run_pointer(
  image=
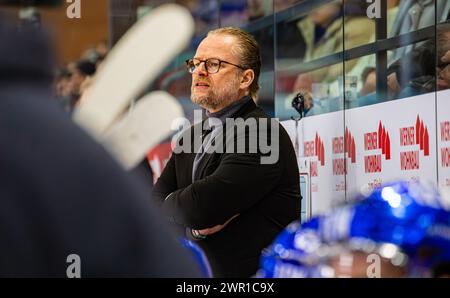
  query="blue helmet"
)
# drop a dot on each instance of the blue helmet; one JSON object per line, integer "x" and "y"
{"x": 198, "y": 255}
{"x": 291, "y": 253}
{"x": 406, "y": 223}
{"x": 411, "y": 216}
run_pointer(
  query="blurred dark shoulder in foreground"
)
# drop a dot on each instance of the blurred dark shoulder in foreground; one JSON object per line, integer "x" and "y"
{"x": 60, "y": 192}
{"x": 31, "y": 2}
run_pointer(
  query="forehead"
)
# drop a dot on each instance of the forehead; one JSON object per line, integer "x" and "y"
{"x": 217, "y": 46}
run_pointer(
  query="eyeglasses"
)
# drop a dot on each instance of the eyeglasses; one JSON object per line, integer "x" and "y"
{"x": 212, "y": 65}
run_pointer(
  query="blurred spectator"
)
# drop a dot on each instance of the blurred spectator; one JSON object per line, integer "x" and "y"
{"x": 280, "y": 5}
{"x": 96, "y": 54}
{"x": 443, "y": 70}
{"x": 289, "y": 41}
{"x": 443, "y": 56}
{"x": 62, "y": 80}
{"x": 205, "y": 14}
{"x": 82, "y": 70}
{"x": 62, "y": 89}
{"x": 416, "y": 14}
{"x": 261, "y": 8}
{"x": 322, "y": 30}
{"x": 233, "y": 13}
{"x": 84, "y": 90}
{"x": 418, "y": 65}
{"x": 255, "y": 9}
{"x": 416, "y": 71}
{"x": 102, "y": 49}
{"x": 367, "y": 80}
{"x": 323, "y": 35}
{"x": 408, "y": 61}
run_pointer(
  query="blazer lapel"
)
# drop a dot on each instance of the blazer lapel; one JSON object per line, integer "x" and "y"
{"x": 209, "y": 157}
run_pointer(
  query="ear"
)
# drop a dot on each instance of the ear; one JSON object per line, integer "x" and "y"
{"x": 247, "y": 78}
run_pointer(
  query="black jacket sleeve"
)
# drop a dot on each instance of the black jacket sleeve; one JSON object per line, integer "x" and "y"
{"x": 166, "y": 183}
{"x": 239, "y": 182}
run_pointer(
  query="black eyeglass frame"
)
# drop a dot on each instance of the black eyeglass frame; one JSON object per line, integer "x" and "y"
{"x": 191, "y": 67}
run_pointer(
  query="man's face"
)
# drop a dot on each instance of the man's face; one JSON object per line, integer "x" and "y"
{"x": 216, "y": 91}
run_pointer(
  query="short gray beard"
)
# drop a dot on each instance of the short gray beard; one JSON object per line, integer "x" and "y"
{"x": 218, "y": 98}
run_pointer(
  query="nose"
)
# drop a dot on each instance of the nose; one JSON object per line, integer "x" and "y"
{"x": 201, "y": 69}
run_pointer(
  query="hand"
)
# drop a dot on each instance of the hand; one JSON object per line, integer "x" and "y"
{"x": 443, "y": 74}
{"x": 309, "y": 103}
{"x": 446, "y": 57}
{"x": 215, "y": 229}
{"x": 370, "y": 85}
{"x": 443, "y": 78}
{"x": 393, "y": 84}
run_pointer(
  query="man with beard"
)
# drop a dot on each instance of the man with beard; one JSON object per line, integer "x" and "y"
{"x": 233, "y": 204}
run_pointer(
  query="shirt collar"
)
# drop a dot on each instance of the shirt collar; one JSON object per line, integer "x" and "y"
{"x": 229, "y": 110}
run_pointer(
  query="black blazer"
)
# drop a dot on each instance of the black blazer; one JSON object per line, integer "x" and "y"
{"x": 266, "y": 197}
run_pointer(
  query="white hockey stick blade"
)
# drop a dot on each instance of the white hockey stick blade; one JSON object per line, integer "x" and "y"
{"x": 148, "y": 123}
{"x": 139, "y": 56}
